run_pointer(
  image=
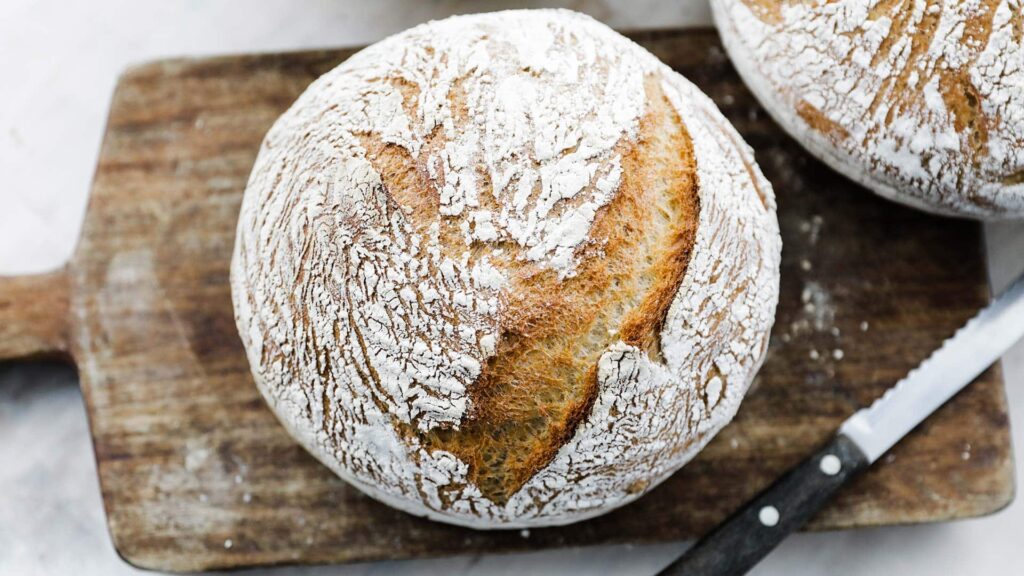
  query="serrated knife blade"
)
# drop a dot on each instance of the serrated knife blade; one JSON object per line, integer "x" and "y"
{"x": 739, "y": 543}
{"x": 960, "y": 359}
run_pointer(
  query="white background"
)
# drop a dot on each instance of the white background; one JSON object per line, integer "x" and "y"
{"x": 59, "y": 61}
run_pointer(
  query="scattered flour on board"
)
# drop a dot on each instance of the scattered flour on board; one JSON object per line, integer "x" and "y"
{"x": 819, "y": 311}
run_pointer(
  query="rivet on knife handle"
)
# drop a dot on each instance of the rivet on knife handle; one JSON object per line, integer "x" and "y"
{"x": 751, "y": 533}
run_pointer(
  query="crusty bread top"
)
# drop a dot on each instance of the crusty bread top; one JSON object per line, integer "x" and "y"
{"x": 922, "y": 101}
{"x": 505, "y": 269}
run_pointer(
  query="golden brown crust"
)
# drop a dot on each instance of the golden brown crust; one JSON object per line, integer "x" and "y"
{"x": 540, "y": 384}
{"x": 815, "y": 119}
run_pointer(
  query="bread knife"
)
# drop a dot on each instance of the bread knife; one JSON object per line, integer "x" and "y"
{"x": 741, "y": 541}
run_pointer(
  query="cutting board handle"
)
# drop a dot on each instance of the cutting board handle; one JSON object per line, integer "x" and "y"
{"x": 34, "y": 315}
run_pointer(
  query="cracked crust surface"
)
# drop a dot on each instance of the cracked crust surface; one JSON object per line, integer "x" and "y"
{"x": 505, "y": 270}
{"x": 920, "y": 100}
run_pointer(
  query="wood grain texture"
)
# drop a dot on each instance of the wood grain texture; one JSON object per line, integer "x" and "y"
{"x": 34, "y": 315}
{"x": 190, "y": 458}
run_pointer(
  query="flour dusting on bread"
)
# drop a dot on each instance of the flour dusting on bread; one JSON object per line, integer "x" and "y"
{"x": 920, "y": 100}
{"x": 505, "y": 270}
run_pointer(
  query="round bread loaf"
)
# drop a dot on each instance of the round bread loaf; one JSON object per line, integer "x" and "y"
{"x": 505, "y": 270}
{"x": 921, "y": 101}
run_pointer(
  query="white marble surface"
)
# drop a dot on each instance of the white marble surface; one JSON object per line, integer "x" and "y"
{"x": 59, "y": 61}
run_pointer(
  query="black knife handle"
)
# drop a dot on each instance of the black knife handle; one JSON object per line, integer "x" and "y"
{"x": 739, "y": 543}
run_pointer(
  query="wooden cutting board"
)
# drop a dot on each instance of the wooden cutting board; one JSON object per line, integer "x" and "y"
{"x": 197, "y": 474}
